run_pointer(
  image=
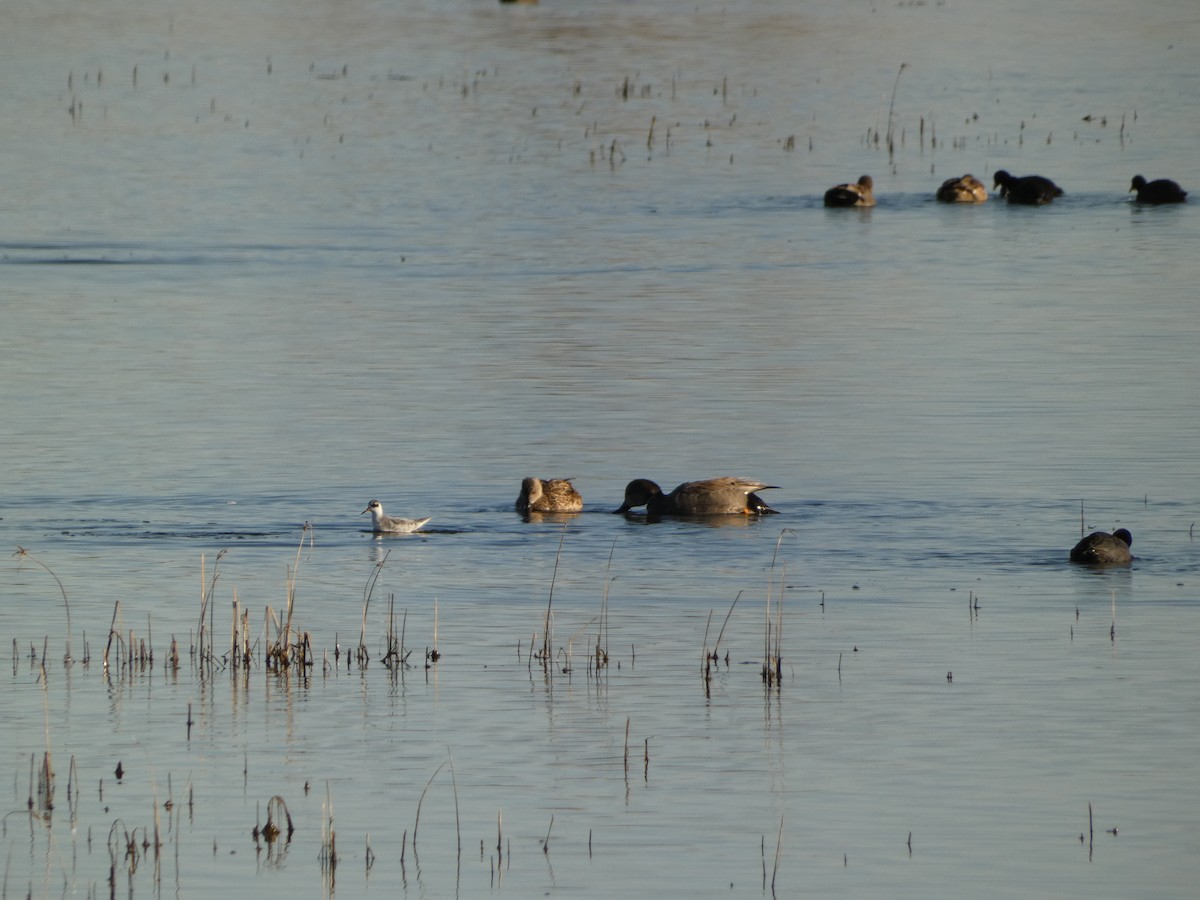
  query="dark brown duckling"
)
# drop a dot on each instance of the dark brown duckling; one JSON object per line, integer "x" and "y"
{"x": 861, "y": 193}
{"x": 1103, "y": 549}
{"x": 1028, "y": 190}
{"x": 1161, "y": 190}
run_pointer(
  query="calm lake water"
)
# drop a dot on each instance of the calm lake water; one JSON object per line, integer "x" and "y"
{"x": 264, "y": 261}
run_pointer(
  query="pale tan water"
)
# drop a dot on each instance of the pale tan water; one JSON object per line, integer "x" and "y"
{"x": 322, "y": 253}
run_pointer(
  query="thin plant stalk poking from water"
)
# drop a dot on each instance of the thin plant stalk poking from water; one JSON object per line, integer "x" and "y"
{"x": 206, "y": 599}
{"x": 282, "y": 652}
{"x": 892, "y": 110}
{"x": 457, "y": 820}
{"x": 305, "y": 532}
{"x": 328, "y": 854}
{"x": 600, "y": 657}
{"x": 546, "y": 638}
{"x": 772, "y": 670}
{"x": 368, "y": 590}
{"x": 778, "y": 850}
{"x": 712, "y": 656}
{"x": 45, "y": 777}
{"x": 113, "y": 633}
{"x": 22, "y": 553}
{"x": 421, "y": 799}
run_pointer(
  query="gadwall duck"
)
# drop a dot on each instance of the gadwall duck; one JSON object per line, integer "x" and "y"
{"x": 860, "y": 194}
{"x": 967, "y": 189}
{"x": 382, "y": 524}
{"x": 716, "y": 496}
{"x": 1103, "y": 549}
{"x": 1161, "y": 190}
{"x": 548, "y": 495}
{"x": 1029, "y": 190}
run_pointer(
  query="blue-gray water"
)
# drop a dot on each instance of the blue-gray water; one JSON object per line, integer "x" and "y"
{"x": 262, "y": 262}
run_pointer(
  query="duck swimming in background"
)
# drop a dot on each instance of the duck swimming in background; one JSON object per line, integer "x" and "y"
{"x": 1161, "y": 190}
{"x": 715, "y": 496}
{"x": 1028, "y": 190}
{"x": 549, "y": 495}
{"x": 967, "y": 189}
{"x": 382, "y": 524}
{"x": 1103, "y": 549}
{"x": 861, "y": 193}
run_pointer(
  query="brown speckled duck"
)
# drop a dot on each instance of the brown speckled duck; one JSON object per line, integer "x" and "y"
{"x": 553, "y": 495}
{"x": 1103, "y": 549}
{"x": 967, "y": 189}
{"x": 1161, "y": 190}
{"x": 861, "y": 193}
{"x": 713, "y": 497}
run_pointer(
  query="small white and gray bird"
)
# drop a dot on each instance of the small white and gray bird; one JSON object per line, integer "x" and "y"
{"x": 382, "y": 524}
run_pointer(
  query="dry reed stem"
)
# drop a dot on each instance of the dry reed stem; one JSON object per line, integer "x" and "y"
{"x": 546, "y": 639}
{"x": 46, "y": 772}
{"x": 762, "y": 852}
{"x": 707, "y": 626}
{"x": 435, "y": 655}
{"x": 728, "y": 615}
{"x": 627, "y": 747}
{"x": 112, "y": 632}
{"x": 891, "y": 111}
{"x": 454, "y": 785}
{"x": 206, "y": 597}
{"x": 778, "y": 850}
{"x": 368, "y": 590}
{"x": 305, "y": 531}
{"x": 22, "y": 553}
{"x": 328, "y": 854}
{"x": 772, "y": 669}
{"x": 601, "y": 654}
{"x": 417, "y": 822}
{"x": 271, "y": 830}
{"x": 1091, "y": 830}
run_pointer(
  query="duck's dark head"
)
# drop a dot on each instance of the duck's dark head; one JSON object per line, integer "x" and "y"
{"x": 639, "y": 492}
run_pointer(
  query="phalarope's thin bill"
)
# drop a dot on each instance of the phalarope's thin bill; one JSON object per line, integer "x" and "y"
{"x": 382, "y": 524}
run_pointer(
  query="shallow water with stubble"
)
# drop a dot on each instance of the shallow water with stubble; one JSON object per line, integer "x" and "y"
{"x": 263, "y": 262}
